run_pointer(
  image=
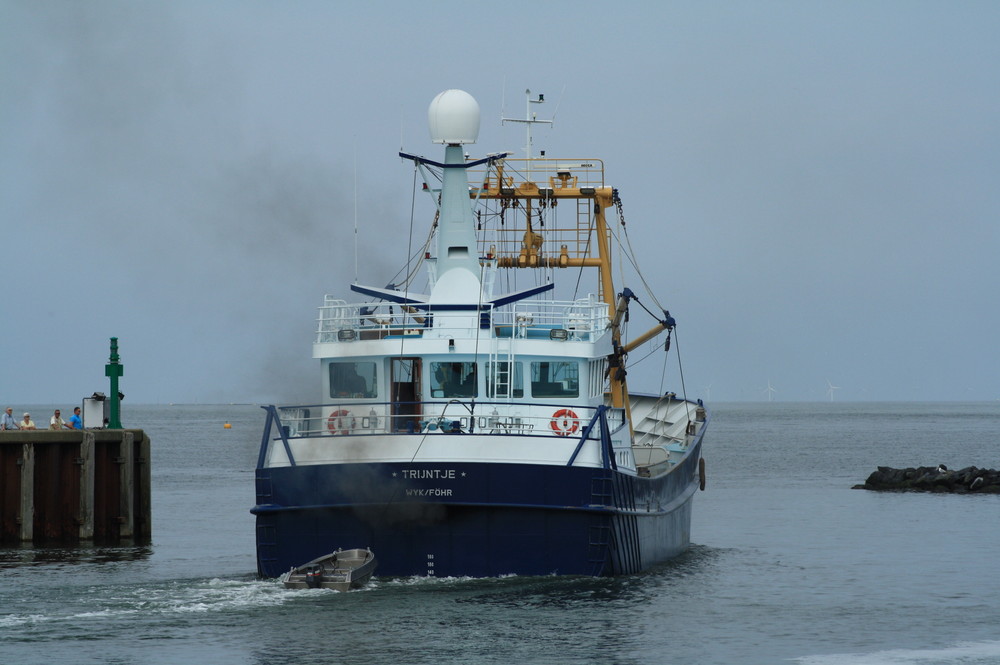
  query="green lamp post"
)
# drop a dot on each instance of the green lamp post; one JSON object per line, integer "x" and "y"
{"x": 113, "y": 370}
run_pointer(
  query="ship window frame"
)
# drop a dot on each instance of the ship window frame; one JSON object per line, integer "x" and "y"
{"x": 365, "y": 370}
{"x": 439, "y": 383}
{"x": 546, "y": 389}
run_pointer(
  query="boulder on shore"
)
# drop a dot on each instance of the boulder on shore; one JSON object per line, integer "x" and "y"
{"x": 970, "y": 480}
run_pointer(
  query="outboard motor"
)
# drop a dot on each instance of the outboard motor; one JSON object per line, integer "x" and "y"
{"x": 314, "y": 576}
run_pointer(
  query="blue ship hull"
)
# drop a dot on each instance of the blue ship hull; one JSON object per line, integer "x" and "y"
{"x": 475, "y": 519}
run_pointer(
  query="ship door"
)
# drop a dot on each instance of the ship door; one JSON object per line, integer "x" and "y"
{"x": 406, "y": 396}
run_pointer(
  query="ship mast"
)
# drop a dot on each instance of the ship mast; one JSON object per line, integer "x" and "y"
{"x": 529, "y": 119}
{"x": 603, "y": 199}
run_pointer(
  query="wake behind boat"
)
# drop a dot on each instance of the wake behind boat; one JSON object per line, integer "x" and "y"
{"x": 480, "y": 424}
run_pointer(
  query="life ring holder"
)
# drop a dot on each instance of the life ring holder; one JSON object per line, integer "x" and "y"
{"x": 341, "y": 422}
{"x": 565, "y": 422}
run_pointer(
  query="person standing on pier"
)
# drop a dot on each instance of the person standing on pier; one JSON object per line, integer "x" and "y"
{"x": 56, "y": 422}
{"x": 8, "y": 422}
{"x": 27, "y": 423}
{"x": 74, "y": 420}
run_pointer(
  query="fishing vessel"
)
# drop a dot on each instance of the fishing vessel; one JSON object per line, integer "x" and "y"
{"x": 475, "y": 418}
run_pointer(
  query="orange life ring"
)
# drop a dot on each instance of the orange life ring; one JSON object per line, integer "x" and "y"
{"x": 338, "y": 422}
{"x": 565, "y": 422}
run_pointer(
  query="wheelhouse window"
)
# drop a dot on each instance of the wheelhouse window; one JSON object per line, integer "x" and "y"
{"x": 555, "y": 379}
{"x": 454, "y": 379}
{"x": 354, "y": 380}
{"x": 502, "y": 383}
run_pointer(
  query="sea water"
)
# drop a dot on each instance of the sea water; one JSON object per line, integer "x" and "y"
{"x": 788, "y": 563}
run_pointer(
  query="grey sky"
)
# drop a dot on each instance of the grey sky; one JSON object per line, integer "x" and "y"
{"x": 813, "y": 186}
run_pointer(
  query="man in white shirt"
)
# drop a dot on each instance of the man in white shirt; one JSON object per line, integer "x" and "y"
{"x": 8, "y": 422}
{"x": 56, "y": 422}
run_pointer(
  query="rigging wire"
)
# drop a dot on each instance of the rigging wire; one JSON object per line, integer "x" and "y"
{"x": 355, "y": 210}
{"x": 631, "y": 256}
{"x": 680, "y": 370}
{"x": 621, "y": 263}
{"x": 635, "y": 264}
{"x": 479, "y": 330}
{"x": 402, "y": 338}
{"x": 409, "y": 248}
{"x": 586, "y": 253}
{"x": 663, "y": 376}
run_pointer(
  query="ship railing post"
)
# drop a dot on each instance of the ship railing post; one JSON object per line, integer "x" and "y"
{"x": 598, "y": 416}
{"x": 265, "y": 443}
{"x": 266, "y": 438}
{"x": 607, "y": 447}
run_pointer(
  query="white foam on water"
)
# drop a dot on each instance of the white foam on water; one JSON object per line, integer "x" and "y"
{"x": 962, "y": 653}
{"x": 417, "y": 580}
{"x": 209, "y": 596}
{"x": 214, "y": 595}
{"x": 14, "y": 620}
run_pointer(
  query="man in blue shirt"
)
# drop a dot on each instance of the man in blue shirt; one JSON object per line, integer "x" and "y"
{"x": 8, "y": 422}
{"x": 74, "y": 420}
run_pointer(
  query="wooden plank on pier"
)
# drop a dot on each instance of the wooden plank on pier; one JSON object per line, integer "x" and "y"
{"x": 86, "y": 517}
{"x": 126, "y": 495}
{"x": 10, "y": 493}
{"x": 144, "y": 499}
{"x": 27, "y": 514}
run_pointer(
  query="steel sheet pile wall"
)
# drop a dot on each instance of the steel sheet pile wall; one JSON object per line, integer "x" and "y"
{"x": 64, "y": 487}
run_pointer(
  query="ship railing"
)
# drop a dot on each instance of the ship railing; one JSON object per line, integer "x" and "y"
{"x": 441, "y": 417}
{"x": 287, "y": 424}
{"x": 545, "y": 172}
{"x": 584, "y": 319}
{"x": 340, "y": 321}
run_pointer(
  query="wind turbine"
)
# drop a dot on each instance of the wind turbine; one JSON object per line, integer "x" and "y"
{"x": 708, "y": 393}
{"x": 830, "y": 389}
{"x": 770, "y": 390}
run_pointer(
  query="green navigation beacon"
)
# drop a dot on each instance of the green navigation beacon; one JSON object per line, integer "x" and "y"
{"x": 114, "y": 369}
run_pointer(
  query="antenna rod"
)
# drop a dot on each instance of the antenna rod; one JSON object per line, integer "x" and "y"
{"x": 529, "y": 120}
{"x": 355, "y": 209}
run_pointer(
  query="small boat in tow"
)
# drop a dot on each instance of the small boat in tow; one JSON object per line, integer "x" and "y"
{"x": 342, "y": 570}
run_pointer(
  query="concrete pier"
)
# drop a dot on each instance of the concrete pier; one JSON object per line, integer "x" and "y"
{"x": 70, "y": 486}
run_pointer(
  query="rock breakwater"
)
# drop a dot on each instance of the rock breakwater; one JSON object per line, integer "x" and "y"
{"x": 970, "y": 480}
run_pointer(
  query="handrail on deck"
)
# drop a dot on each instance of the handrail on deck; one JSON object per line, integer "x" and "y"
{"x": 339, "y": 321}
{"x": 490, "y": 422}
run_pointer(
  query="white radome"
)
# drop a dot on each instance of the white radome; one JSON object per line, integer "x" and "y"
{"x": 454, "y": 118}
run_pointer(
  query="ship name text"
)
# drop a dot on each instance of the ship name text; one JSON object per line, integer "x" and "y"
{"x": 416, "y": 474}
